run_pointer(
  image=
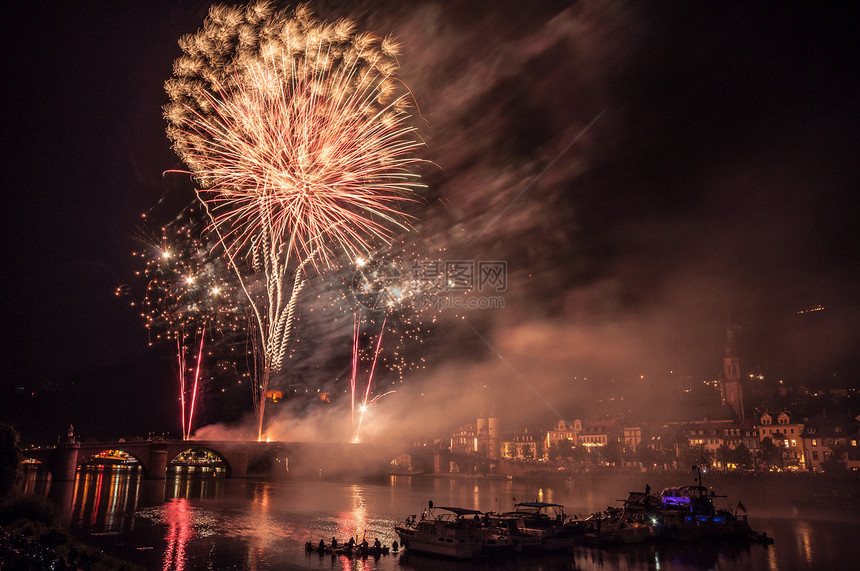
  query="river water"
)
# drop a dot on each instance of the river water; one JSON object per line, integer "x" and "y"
{"x": 200, "y": 520}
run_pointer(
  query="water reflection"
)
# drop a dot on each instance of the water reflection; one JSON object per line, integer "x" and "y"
{"x": 198, "y": 519}
{"x": 194, "y": 483}
{"x": 178, "y": 516}
{"x": 36, "y": 480}
{"x": 105, "y": 498}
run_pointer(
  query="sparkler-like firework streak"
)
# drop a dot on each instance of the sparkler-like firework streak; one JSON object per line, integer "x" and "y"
{"x": 364, "y": 403}
{"x": 297, "y": 133}
{"x": 186, "y": 299}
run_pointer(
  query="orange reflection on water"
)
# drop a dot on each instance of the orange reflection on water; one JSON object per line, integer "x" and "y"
{"x": 353, "y": 523}
{"x": 105, "y": 497}
{"x": 804, "y": 541}
{"x": 179, "y": 519}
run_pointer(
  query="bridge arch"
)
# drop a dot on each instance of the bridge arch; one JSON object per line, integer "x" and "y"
{"x": 112, "y": 457}
{"x": 272, "y": 459}
{"x": 403, "y": 464}
{"x": 194, "y": 457}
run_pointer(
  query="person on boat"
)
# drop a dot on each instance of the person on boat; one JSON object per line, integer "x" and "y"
{"x": 364, "y": 543}
{"x": 333, "y": 543}
{"x": 321, "y": 546}
{"x": 377, "y": 544}
{"x": 351, "y": 543}
{"x": 395, "y": 546}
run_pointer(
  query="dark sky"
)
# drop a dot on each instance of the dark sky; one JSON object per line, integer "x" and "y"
{"x": 715, "y": 187}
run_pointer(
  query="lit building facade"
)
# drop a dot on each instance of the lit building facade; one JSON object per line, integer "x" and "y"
{"x": 563, "y": 430}
{"x": 787, "y": 435}
{"x": 827, "y": 440}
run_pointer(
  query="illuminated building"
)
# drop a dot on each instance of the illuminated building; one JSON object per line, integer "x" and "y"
{"x": 563, "y": 430}
{"x": 521, "y": 446}
{"x": 829, "y": 441}
{"x": 464, "y": 440}
{"x": 598, "y": 433}
{"x": 632, "y": 437}
{"x": 787, "y": 435}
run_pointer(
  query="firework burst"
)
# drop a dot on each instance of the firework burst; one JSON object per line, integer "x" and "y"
{"x": 297, "y": 133}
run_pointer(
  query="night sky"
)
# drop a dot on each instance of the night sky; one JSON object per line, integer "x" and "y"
{"x": 652, "y": 174}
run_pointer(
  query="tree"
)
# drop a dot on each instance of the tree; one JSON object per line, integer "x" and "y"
{"x": 565, "y": 449}
{"x": 646, "y": 456}
{"x": 696, "y": 455}
{"x": 579, "y": 454}
{"x": 744, "y": 457}
{"x": 560, "y": 451}
{"x": 10, "y": 459}
{"x": 835, "y": 462}
{"x": 726, "y": 457}
{"x": 610, "y": 453}
{"x": 769, "y": 454}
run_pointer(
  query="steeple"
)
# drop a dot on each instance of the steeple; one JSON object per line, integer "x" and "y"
{"x": 731, "y": 391}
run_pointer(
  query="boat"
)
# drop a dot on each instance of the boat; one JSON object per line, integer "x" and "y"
{"x": 687, "y": 513}
{"x": 618, "y": 527}
{"x": 538, "y": 526}
{"x": 349, "y": 550}
{"x": 459, "y": 533}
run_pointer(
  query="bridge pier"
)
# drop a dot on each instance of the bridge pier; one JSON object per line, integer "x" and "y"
{"x": 239, "y": 465}
{"x": 65, "y": 463}
{"x": 157, "y": 469}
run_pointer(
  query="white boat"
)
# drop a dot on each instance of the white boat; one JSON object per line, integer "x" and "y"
{"x": 452, "y": 532}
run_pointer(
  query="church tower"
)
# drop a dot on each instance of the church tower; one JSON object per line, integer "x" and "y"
{"x": 493, "y": 432}
{"x": 487, "y": 441}
{"x": 731, "y": 391}
{"x": 482, "y": 434}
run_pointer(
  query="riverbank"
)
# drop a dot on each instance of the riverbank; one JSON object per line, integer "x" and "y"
{"x": 29, "y": 539}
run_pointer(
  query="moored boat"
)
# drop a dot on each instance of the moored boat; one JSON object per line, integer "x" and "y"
{"x": 547, "y": 522}
{"x": 687, "y": 513}
{"x": 459, "y": 533}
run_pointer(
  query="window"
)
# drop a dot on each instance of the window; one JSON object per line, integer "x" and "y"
{"x": 815, "y": 455}
{"x": 815, "y": 443}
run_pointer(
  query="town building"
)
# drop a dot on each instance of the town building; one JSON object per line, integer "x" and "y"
{"x": 785, "y": 434}
{"x": 829, "y": 441}
{"x": 522, "y": 446}
{"x": 563, "y": 430}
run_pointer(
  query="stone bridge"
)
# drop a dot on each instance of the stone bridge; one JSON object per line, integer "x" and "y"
{"x": 302, "y": 459}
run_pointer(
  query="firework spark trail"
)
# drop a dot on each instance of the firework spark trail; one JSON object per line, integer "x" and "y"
{"x": 355, "y": 337}
{"x": 377, "y": 398}
{"x": 297, "y": 133}
{"x": 196, "y": 381}
{"x": 180, "y": 353}
{"x": 370, "y": 380}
